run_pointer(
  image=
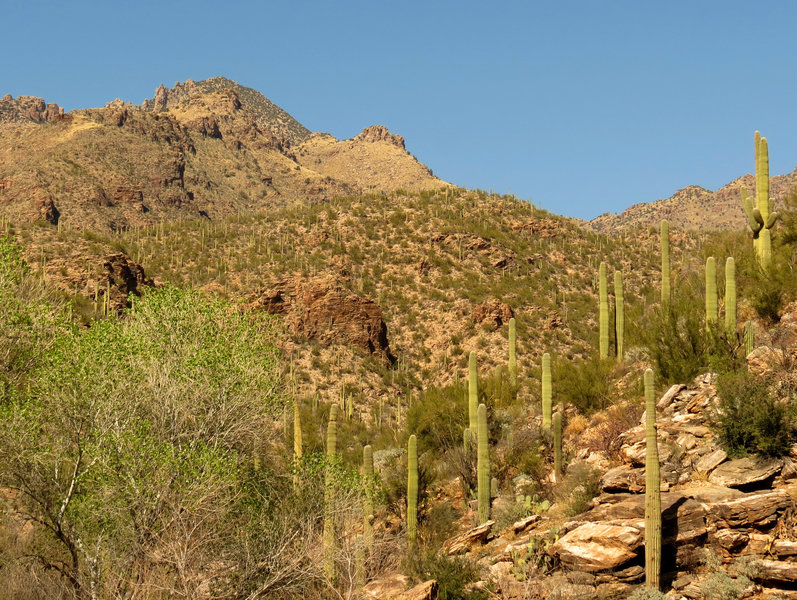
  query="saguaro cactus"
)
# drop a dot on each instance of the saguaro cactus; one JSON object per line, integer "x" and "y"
{"x": 512, "y": 353}
{"x": 297, "y": 441}
{"x": 412, "y": 489}
{"x": 652, "y": 490}
{"x": 749, "y": 338}
{"x": 368, "y": 503}
{"x": 603, "y": 312}
{"x": 665, "y": 263}
{"x": 329, "y": 495}
{"x": 547, "y": 399}
{"x": 473, "y": 391}
{"x": 619, "y": 314}
{"x": 483, "y": 466}
{"x": 711, "y": 290}
{"x": 557, "y": 445}
{"x": 761, "y": 215}
{"x": 730, "y": 296}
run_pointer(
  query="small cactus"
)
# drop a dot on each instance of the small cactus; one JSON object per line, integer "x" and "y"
{"x": 749, "y": 338}
{"x": 512, "y": 353}
{"x": 730, "y": 297}
{"x": 665, "y": 263}
{"x": 711, "y": 291}
{"x": 652, "y": 490}
{"x": 412, "y": 489}
{"x": 473, "y": 391}
{"x": 547, "y": 399}
{"x": 483, "y": 466}
{"x": 368, "y": 503}
{"x": 603, "y": 312}
{"x": 557, "y": 445}
{"x": 619, "y": 314}
{"x": 329, "y": 493}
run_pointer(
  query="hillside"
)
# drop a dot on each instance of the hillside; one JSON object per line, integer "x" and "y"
{"x": 209, "y": 149}
{"x": 695, "y": 208}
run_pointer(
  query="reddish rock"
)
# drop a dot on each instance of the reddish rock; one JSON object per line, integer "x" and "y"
{"x": 321, "y": 308}
{"x": 125, "y": 275}
{"x": 492, "y": 312}
{"x": 46, "y": 209}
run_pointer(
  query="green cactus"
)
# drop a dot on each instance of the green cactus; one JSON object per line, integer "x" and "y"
{"x": 467, "y": 442}
{"x": 619, "y": 314}
{"x": 412, "y": 489}
{"x": 547, "y": 395}
{"x": 368, "y": 503}
{"x": 652, "y": 490}
{"x": 483, "y": 466}
{"x": 297, "y": 441}
{"x": 711, "y": 290}
{"x": 329, "y": 493}
{"x": 512, "y": 353}
{"x": 749, "y": 338}
{"x": 761, "y": 215}
{"x": 494, "y": 486}
{"x": 730, "y": 296}
{"x": 473, "y": 391}
{"x": 665, "y": 263}
{"x": 603, "y": 310}
{"x": 557, "y": 445}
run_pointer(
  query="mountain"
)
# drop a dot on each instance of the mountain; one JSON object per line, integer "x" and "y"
{"x": 695, "y": 208}
{"x": 205, "y": 149}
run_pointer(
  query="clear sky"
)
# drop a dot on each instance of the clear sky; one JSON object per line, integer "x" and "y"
{"x": 581, "y": 106}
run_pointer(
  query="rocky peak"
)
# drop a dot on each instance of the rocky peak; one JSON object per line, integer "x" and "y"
{"x": 29, "y": 108}
{"x": 380, "y": 133}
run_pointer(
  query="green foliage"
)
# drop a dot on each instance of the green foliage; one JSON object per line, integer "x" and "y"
{"x": 438, "y": 417}
{"x": 547, "y": 392}
{"x": 452, "y": 573}
{"x": 136, "y": 427}
{"x": 580, "y": 485}
{"x": 727, "y": 585}
{"x": 750, "y": 419}
{"x": 412, "y": 489}
{"x": 585, "y": 384}
{"x": 603, "y": 312}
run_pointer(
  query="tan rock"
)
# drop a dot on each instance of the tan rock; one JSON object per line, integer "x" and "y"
{"x": 711, "y": 461}
{"x": 776, "y": 571}
{"x": 743, "y": 472}
{"x": 751, "y": 510}
{"x": 597, "y": 546}
{"x": 386, "y": 587}
{"x": 423, "y": 591}
{"x": 463, "y": 542}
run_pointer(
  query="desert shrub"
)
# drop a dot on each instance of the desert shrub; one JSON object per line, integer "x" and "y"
{"x": 646, "y": 593}
{"x": 750, "y": 419}
{"x": 585, "y": 384}
{"x": 438, "y": 417}
{"x": 452, "y": 573}
{"x": 727, "y": 585}
{"x": 580, "y": 485}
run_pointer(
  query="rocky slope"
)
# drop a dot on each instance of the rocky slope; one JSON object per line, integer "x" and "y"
{"x": 694, "y": 207}
{"x": 208, "y": 149}
{"x": 727, "y": 523}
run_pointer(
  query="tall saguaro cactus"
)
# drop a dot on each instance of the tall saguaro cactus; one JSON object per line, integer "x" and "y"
{"x": 412, "y": 489}
{"x": 652, "y": 490}
{"x": 368, "y": 503}
{"x": 557, "y": 445}
{"x": 603, "y": 310}
{"x": 483, "y": 466}
{"x": 512, "y": 353}
{"x": 329, "y": 495}
{"x": 711, "y": 290}
{"x": 761, "y": 215}
{"x": 297, "y": 441}
{"x": 473, "y": 391}
{"x": 665, "y": 264}
{"x": 730, "y": 296}
{"x": 619, "y": 314}
{"x": 547, "y": 395}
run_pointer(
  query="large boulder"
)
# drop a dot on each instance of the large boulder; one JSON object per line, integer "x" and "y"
{"x": 321, "y": 308}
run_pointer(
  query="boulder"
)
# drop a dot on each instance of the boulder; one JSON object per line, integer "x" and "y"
{"x": 492, "y": 313}
{"x": 598, "y": 546}
{"x": 423, "y": 591}
{"x": 744, "y": 472}
{"x": 321, "y": 308}
{"x": 710, "y": 461}
{"x": 463, "y": 542}
{"x": 751, "y": 510}
{"x": 776, "y": 571}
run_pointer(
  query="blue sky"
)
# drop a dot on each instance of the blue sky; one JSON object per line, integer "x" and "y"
{"x": 581, "y": 106}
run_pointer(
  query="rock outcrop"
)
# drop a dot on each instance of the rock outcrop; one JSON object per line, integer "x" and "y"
{"x": 321, "y": 308}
